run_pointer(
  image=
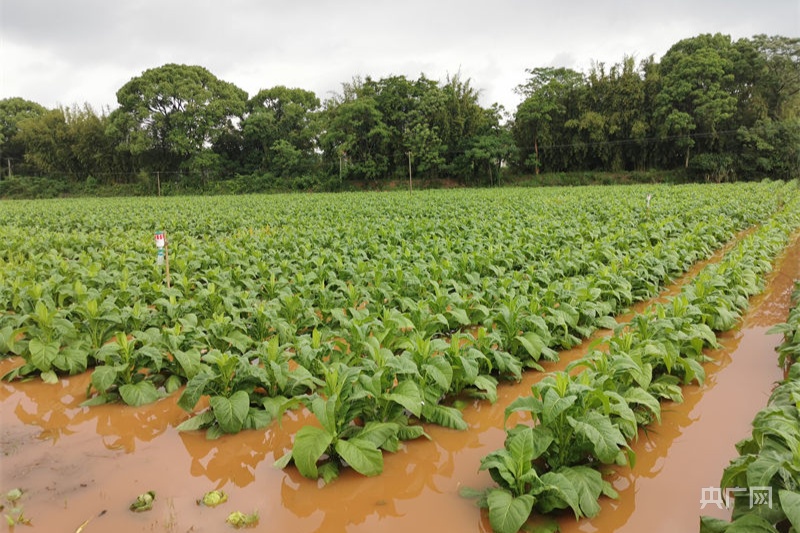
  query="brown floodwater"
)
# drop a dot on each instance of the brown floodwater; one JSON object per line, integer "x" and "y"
{"x": 76, "y": 464}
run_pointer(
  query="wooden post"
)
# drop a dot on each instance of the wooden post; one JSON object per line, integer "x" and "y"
{"x": 158, "y": 182}
{"x": 410, "y": 188}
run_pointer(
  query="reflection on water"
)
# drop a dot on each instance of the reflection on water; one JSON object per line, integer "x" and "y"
{"x": 81, "y": 461}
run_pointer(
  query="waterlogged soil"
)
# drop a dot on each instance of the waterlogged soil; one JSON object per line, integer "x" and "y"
{"x": 80, "y": 468}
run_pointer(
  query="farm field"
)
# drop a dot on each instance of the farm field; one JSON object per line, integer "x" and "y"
{"x": 371, "y": 343}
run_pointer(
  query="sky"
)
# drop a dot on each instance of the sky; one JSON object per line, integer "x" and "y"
{"x": 71, "y": 52}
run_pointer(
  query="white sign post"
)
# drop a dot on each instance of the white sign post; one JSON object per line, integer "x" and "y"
{"x": 162, "y": 253}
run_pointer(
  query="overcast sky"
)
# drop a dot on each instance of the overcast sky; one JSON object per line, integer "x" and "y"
{"x": 65, "y": 52}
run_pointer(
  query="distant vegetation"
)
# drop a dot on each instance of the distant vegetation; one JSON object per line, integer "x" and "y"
{"x": 712, "y": 109}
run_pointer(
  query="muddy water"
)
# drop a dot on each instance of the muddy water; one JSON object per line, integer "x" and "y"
{"x": 695, "y": 442}
{"x": 78, "y": 464}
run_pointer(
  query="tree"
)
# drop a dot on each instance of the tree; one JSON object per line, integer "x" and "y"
{"x": 71, "y": 142}
{"x": 357, "y": 137}
{"x": 172, "y": 113}
{"x": 549, "y": 96}
{"x": 697, "y": 90}
{"x": 280, "y": 130}
{"x": 12, "y": 112}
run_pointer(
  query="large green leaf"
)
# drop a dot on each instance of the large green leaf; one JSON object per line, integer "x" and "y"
{"x": 230, "y": 412}
{"x": 751, "y": 523}
{"x": 407, "y": 394}
{"x": 639, "y": 396}
{"x": 138, "y": 394}
{"x": 43, "y": 354}
{"x": 362, "y": 455}
{"x": 790, "y": 502}
{"x": 189, "y": 361}
{"x": 603, "y": 436}
{"x": 194, "y": 390}
{"x": 378, "y": 432}
{"x": 554, "y": 405}
{"x": 103, "y": 377}
{"x": 197, "y": 422}
{"x": 713, "y": 525}
{"x": 532, "y": 343}
{"x": 588, "y": 484}
{"x": 558, "y": 493}
{"x": 507, "y": 513}
{"x": 445, "y": 416}
{"x": 310, "y": 443}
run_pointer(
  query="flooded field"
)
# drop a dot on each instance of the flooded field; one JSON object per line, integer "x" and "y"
{"x": 81, "y": 467}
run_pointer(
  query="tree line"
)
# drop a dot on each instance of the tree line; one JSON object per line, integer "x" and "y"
{"x": 719, "y": 109}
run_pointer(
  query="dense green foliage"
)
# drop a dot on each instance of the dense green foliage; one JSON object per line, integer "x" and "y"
{"x": 789, "y": 350}
{"x": 583, "y": 420}
{"x": 717, "y": 109}
{"x": 376, "y": 312}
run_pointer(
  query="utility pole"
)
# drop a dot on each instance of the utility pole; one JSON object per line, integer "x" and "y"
{"x": 410, "y": 188}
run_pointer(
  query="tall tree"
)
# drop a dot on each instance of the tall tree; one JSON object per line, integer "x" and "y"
{"x": 547, "y": 97}
{"x": 173, "y": 113}
{"x": 12, "y": 151}
{"x": 696, "y": 97}
{"x": 280, "y": 130}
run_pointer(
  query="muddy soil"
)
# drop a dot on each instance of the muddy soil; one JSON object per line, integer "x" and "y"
{"x": 77, "y": 464}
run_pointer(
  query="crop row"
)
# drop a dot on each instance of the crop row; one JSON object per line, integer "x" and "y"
{"x": 768, "y": 459}
{"x": 372, "y": 329}
{"x": 584, "y": 419}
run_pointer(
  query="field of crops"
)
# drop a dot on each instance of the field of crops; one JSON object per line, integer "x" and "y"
{"x": 380, "y": 316}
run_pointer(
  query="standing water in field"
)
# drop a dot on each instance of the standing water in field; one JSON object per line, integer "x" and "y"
{"x": 79, "y": 467}
{"x": 75, "y": 463}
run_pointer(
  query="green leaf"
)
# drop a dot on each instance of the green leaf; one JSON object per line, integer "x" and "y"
{"x": 49, "y": 377}
{"x": 257, "y": 418}
{"x": 194, "y": 423}
{"x": 103, "y": 377}
{"x": 507, "y": 514}
{"x": 532, "y": 343}
{"x": 284, "y": 460}
{"x": 172, "y": 384}
{"x": 310, "y": 443}
{"x": 438, "y": 369}
{"x": 378, "y": 432}
{"x": 636, "y": 395}
{"x": 751, "y": 523}
{"x": 194, "y": 390}
{"x": 138, "y": 394}
{"x": 43, "y": 354}
{"x": 238, "y": 340}
{"x": 231, "y": 412}
{"x": 588, "y": 483}
{"x": 411, "y": 432}
{"x": 407, "y": 394}
{"x": 362, "y": 455}
{"x": 329, "y": 471}
{"x": 554, "y": 405}
{"x": 790, "y": 502}
{"x": 189, "y": 362}
{"x": 605, "y": 438}
{"x": 527, "y": 404}
{"x": 444, "y": 416}
{"x": 558, "y": 493}
{"x": 713, "y": 525}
